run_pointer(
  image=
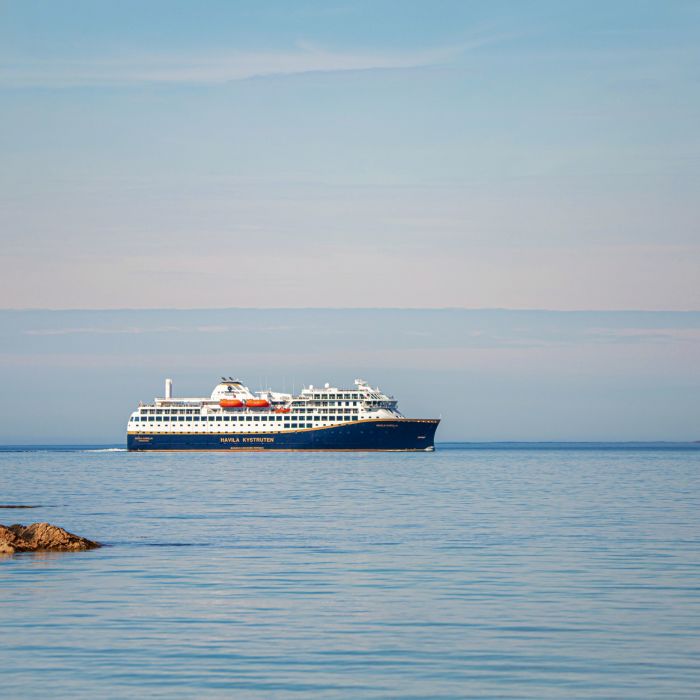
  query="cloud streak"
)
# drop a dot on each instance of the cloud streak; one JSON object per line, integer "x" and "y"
{"x": 213, "y": 68}
{"x": 132, "y": 330}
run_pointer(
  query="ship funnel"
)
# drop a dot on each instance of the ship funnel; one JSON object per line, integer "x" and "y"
{"x": 168, "y": 388}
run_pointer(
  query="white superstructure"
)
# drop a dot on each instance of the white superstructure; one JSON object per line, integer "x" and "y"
{"x": 233, "y": 408}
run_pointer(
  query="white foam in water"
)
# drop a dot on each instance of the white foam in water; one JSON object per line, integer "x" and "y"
{"x": 108, "y": 449}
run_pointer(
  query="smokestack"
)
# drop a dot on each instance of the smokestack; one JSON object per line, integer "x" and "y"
{"x": 168, "y": 388}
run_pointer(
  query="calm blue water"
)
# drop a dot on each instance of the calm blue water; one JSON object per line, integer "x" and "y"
{"x": 498, "y": 573}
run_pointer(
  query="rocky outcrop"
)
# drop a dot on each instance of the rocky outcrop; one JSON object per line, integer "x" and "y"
{"x": 41, "y": 537}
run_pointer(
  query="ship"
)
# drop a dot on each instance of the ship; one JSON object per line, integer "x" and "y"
{"x": 234, "y": 418}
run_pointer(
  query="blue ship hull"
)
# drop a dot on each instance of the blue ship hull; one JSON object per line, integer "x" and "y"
{"x": 397, "y": 434}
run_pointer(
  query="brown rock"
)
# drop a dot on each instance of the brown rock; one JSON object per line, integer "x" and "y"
{"x": 8, "y": 540}
{"x": 41, "y": 537}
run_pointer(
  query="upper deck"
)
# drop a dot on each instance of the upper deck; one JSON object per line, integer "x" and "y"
{"x": 232, "y": 406}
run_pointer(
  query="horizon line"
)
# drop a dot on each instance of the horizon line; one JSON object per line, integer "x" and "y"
{"x": 84, "y": 445}
{"x": 349, "y": 308}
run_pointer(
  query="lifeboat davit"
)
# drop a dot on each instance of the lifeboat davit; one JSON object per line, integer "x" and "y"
{"x": 231, "y": 403}
{"x": 257, "y": 403}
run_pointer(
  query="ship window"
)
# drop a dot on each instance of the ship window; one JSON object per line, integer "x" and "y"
{"x": 189, "y": 418}
{"x": 219, "y": 418}
{"x": 249, "y": 417}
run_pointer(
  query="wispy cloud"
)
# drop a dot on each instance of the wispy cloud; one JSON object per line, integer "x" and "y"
{"x": 131, "y": 330}
{"x": 212, "y": 68}
{"x": 644, "y": 335}
{"x": 139, "y": 330}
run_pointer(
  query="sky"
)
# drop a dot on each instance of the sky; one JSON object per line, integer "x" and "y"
{"x": 75, "y": 376}
{"x": 404, "y": 154}
{"x": 489, "y": 208}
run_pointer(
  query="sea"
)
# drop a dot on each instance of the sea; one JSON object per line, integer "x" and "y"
{"x": 476, "y": 571}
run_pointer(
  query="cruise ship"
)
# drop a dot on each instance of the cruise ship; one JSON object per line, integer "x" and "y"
{"x": 235, "y": 418}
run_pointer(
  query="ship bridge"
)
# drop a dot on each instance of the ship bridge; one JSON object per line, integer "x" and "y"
{"x": 230, "y": 389}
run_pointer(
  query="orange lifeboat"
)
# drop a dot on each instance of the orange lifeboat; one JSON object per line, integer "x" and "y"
{"x": 231, "y": 403}
{"x": 282, "y": 409}
{"x": 257, "y": 403}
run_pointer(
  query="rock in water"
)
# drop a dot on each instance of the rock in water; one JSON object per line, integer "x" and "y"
{"x": 41, "y": 537}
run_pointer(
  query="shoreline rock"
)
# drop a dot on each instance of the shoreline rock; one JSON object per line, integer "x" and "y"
{"x": 41, "y": 537}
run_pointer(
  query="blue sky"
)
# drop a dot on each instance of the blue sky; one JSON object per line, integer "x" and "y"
{"x": 74, "y": 376}
{"x": 413, "y": 154}
{"x": 404, "y": 155}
